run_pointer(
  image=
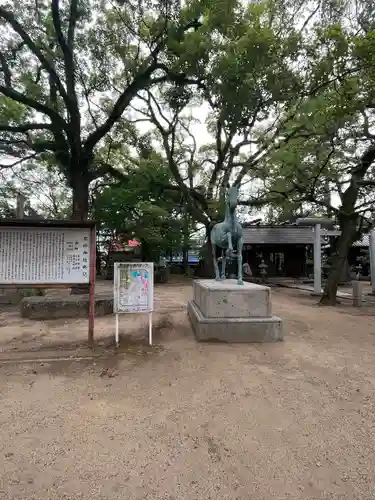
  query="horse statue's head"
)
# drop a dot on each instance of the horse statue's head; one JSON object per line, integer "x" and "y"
{"x": 232, "y": 197}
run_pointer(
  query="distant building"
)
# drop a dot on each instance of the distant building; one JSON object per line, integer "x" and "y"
{"x": 287, "y": 249}
{"x": 120, "y": 250}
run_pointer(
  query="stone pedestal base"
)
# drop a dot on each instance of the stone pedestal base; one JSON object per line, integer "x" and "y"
{"x": 234, "y": 329}
{"x": 227, "y": 312}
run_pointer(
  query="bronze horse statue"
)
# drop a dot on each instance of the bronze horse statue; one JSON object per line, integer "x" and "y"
{"x": 228, "y": 235}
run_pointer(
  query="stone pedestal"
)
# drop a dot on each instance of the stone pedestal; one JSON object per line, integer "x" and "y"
{"x": 68, "y": 306}
{"x": 228, "y": 312}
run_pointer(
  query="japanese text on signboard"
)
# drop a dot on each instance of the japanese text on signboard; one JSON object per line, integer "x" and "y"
{"x": 44, "y": 255}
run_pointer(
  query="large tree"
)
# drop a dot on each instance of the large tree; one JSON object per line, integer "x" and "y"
{"x": 331, "y": 165}
{"x": 70, "y": 68}
{"x": 291, "y": 99}
{"x": 257, "y": 79}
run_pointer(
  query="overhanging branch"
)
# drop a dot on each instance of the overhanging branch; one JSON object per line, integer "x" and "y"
{"x": 140, "y": 82}
{"x": 31, "y": 103}
{"x": 25, "y": 127}
{"x": 18, "y": 162}
{"x": 9, "y": 17}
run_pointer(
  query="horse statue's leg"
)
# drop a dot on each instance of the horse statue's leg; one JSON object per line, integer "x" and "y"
{"x": 216, "y": 267}
{"x": 223, "y": 266}
{"x": 229, "y": 250}
{"x": 239, "y": 261}
{"x": 227, "y": 255}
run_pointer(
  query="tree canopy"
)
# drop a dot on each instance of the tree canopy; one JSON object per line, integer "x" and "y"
{"x": 110, "y": 96}
{"x": 142, "y": 208}
{"x": 71, "y": 68}
{"x": 330, "y": 163}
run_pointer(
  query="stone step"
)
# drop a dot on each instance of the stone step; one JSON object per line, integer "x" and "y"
{"x": 234, "y": 330}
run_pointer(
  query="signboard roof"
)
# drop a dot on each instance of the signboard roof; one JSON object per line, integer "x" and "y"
{"x": 47, "y": 223}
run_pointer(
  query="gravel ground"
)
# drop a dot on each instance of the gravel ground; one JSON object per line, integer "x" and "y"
{"x": 293, "y": 420}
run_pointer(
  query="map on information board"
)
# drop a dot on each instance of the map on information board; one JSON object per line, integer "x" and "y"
{"x": 133, "y": 287}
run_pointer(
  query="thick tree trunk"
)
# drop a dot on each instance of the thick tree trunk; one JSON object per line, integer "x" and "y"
{"x": 185, "y": 250}
{"x": 185, "y": 260}
{"x": 80, "y": 187}
{"x": 149, "y": 253}
{"x": 348, "y": 224}
{"x": 98, "y": 263}
{"x": 80, "y": 210}
{"x": 206, "y": 267}
{"x": 345, "y": 240}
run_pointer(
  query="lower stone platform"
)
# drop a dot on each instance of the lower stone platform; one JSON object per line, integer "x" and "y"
{"x": 70, "y": 306}
{"x": 234, "y": 330}
{"x": 228, "y": 312}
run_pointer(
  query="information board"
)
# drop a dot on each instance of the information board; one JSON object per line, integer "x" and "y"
{"x": 38, "y": 255}
{"x": 133, "y": 287}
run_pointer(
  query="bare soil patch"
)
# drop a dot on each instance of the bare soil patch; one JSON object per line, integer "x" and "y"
{"x": 182, "y": 420}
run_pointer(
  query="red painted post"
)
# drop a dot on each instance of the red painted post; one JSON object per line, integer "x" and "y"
{"x": 92, "y": 285}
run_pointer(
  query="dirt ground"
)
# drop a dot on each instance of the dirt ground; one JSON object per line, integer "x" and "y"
{"x": 182, "y": 420}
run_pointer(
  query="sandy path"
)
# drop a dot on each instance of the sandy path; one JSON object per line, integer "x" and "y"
{"x": 293, "y": 420}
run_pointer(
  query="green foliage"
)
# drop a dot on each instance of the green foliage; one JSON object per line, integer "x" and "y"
{"x": 330, "y": 133}
{"x": 142, "y": 207}
{"x": 11, "y": 111}
{"x": 265, "y": 79}
{"x": 7, "y": 208}
{"x": 70, "y": 69}
{"x": 290, "y": 91}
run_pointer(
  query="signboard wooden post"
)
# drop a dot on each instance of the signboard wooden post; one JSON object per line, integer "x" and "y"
{"x": 133, "y": 291}
{"x": 49, "y": 254}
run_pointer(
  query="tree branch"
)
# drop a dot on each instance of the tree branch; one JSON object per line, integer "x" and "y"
{"x": 9, "y": 17}
{"x": 366, "y": 127}
{"x": 62, "y": 149}
{"x": 222, "y": 151}
{"x": 140, "y": 82}
{"x": 269, "y": 145}
{"x": 18, "y": 162}
{"x": 6, "y": 70}
{"x": 73, "y": 18}
{"x": 31, "y": 103}
{"x": 192, "y": 155}
{"x": 67, "y": 50}
{"x": 25, "y": 127}
{"x": 323, "y": 166}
